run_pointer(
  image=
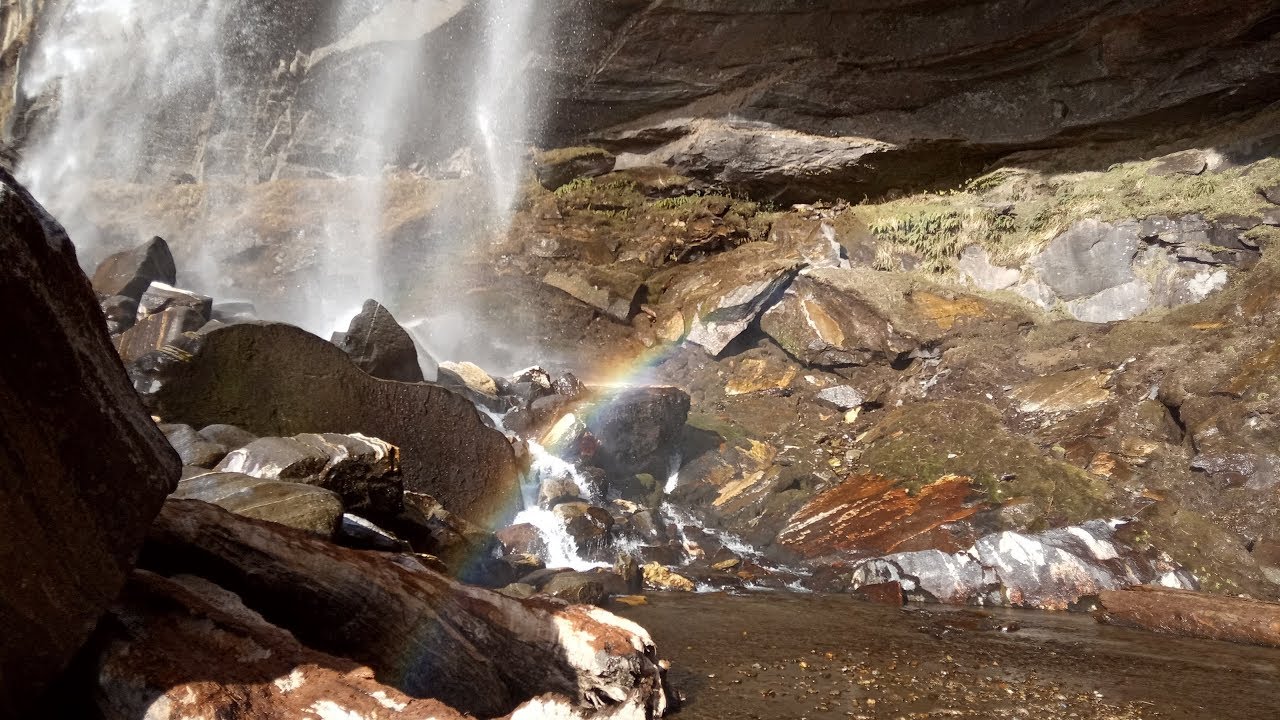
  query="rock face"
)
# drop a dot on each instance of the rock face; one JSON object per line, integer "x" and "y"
{"x": 822, "y": 101}
{"x": 1052, "y": 570}
{"x": 479, "y": 652}
{"x": 83, "y": 470}
{"x": 379, "y": 346}
{"x": 278, "y": 380}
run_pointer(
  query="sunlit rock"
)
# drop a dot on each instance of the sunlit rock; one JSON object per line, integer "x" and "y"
{"x": 378, "y": 345}
{"x": 292, "y": 504}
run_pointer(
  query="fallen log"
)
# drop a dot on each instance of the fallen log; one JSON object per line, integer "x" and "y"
{"x": 1194, "y": 614}
{"x": 421, "y": 632}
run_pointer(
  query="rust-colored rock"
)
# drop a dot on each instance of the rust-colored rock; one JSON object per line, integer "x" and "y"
{"x": 1182, "y": 612}
{"x": 870, "y": 515}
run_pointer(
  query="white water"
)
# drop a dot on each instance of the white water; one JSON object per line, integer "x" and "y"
{"x": 144, "y": 91}
{"x": 562, "y": 549}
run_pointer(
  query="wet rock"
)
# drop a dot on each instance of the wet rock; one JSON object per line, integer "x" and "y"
{"x": 576, "y": 588}
{"x": 1177, "y": 611}
{"x": 562, "y": 166}
{"x": 378, "y": 345}
{"x": 522, "y": 539}
{"x": 842, "y": 397}
{"x": 184, "y": 647}
{"x": 356, "y": 532}
{"x": 589, "y": 526}
{"x": 302, "y": 507}
{"x": 230, "y": 312}
{"x": 193, "y": 448}
{"x": 873, "y": 515}
{"x": 302, "y": 583}
{"x": 131, "y": 272}
{"x": 432, "y": 529}
{"x": 84, "y": 467}
{"x": 558, "y": 490}
{"x": 638, "y": 430}
{"x": 161, "y": 297}
{"x": 976, "y": 268}
{"x": 1187, "y": 162}
{"x": 889, "y": 593}
{"x": 156, "y": 332}
{"x": 659, "y": 577}
{"x": 643, "y": 489}
{"x": 1050, "y": 570}
{"x": 121, "y": 312}
{"x": 445, "y": 449}
{"x": 364, "y": 471}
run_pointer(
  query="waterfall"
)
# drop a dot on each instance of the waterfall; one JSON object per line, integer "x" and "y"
{"x": 202, "y": 103}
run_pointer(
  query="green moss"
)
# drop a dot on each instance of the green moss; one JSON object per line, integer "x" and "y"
{"x": 918, "y": 444}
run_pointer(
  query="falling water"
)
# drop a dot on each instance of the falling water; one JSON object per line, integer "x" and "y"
{"x": 164, "y": 94}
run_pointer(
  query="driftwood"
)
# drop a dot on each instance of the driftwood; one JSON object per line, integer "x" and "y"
{"x": 421, "y": 632}
{"x": 1182, "y": 612}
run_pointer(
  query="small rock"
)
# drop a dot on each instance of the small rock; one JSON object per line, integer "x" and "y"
{"x": 577, "y": 588}
{"x": 1187, "y": 162}
{"x": 522, "y": 539}
{"x": 160, "y": 297}
{"x": 156, "y": 331}
{"x": 121, "y": 312}
{"x": 467, "y": 375}
{"x": 193, "y": 448}
{"x": 356, "y": 532}
{"x": 842, "y": 397}
{"x": 228, "y": 436}
{"x": 303, "y": 507}
{"x": 660, "y": 578}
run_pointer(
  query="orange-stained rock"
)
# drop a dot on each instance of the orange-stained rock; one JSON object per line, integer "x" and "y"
{"x": 871, "y": 515}
{"x": 1196, "y": 614}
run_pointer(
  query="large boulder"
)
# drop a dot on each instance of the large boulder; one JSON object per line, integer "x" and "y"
{"x": 422, "y": 633}
{"x": 380, "y": 346}
{"x": 83, "y": 470}
{"x": 279, "y": 380}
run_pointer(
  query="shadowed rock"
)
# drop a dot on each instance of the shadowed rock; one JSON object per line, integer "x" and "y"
{"x": 303, "y": 507}
{"x": 83, "y": 469}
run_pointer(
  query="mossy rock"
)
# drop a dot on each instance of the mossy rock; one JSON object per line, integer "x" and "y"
{"x": 918, "y": 444}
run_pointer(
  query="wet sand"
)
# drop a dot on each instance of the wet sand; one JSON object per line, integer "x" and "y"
{"x": 776, "y": 655}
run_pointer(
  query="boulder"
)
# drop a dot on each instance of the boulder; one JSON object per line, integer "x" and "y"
{"x": 420, "y": 632}
{"x": 558, "y": 489}
{"x": 555, "y": 168}
{"x": 83, "y": 469}
{"x": 278, "y": 380}
{"x": 1187, "y": 162}
{"x": 183, "y": 647}
{"x": 432, "y": 529}
{"x": 1090, "y": 257}
{"x": 467, "y": 375}
{"x": 228, "y": 436}
{"x": 303, "y": 507}
{"x": 639, "y": 430}
{"x": 715, "y": 301}
{"x": 121, "y": 312}
{"x": 160, "y": 297}
{"x": 579, "y": 588}
{"x": 356, "y": 532}
{"x": 154, "y": 332}
{"x": 522, "y": 539}
{"x": 659, "y": 577}
{"x": 363, "y": 471}
{"x": 193, "y": 448}
{"x": 1052, "y": 570}
{"x": 131, "y": 272}
{"x": 378, "y": 345}
{"x": 589, "y": 526}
